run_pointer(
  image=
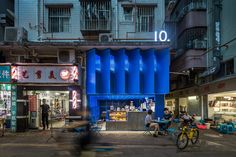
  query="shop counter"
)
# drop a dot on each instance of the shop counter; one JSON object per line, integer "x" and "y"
{"x": 134, "y": 122}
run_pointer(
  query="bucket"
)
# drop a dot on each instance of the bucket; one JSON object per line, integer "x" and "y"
{"x": 208, "y": 125}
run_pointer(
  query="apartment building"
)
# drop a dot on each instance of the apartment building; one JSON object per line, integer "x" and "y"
{"x": 211, "y": 95}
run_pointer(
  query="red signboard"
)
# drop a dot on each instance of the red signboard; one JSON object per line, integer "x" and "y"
{"x": 32, "y": 103}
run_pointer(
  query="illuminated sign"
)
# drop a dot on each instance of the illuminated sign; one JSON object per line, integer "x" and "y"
{"x": 5, "y": 74}
{"x": 45, "y": 74}
{"x": 65, "y": 74}
{"x": 74, "y": 99}
{"x": 161, "y": 36}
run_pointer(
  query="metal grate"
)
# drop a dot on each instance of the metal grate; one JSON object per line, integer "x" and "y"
{"x": 95, "y": 15}
{"x": 59, "y": 19}
{"x": 145, "y": 19}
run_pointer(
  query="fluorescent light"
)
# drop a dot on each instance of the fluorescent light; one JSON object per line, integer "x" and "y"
{"x": 192, "y": 97}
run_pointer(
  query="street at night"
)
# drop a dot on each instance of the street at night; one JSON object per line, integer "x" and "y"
{"x": 117, "y": 78}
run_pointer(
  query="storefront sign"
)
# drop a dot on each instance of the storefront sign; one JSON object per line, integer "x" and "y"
{"x": 74, "y": 99}
{"x": 5, "y": 87}
{"x": 45, "y": 74}
{"x": 32, "y": 103}
{"x": 5, "y": 74}
{"x": 13, "y": 107}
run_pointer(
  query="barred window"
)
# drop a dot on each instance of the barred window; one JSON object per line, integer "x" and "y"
{"x": 59, "y": 19}
{"x": 145, "y": 19}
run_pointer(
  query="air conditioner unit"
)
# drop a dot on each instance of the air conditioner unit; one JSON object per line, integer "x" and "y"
{"x": 16, "y": 34}
{"x": 66, "y": 56}
{"x": 105, "y": 37}
{"x": 200, "y": 44}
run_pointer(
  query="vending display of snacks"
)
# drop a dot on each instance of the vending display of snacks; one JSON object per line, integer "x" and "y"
{"x": 118, "y": 115}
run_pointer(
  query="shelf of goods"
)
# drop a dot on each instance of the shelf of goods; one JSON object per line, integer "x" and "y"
{"x": 118, "y": 115}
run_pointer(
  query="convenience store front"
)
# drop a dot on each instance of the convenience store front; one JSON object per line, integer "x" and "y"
{"x": 123, "y": 84}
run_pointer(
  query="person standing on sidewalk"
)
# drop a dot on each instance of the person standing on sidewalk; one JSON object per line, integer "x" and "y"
{"x": 45, "y": 109}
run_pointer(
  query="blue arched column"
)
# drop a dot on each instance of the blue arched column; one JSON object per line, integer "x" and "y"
{"x": 91, "y": 72}
{"x": 120, "y": 71}
{"x": 133, "y": 82}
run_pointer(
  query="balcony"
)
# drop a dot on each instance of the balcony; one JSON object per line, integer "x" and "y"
{"x": 192, "y": 20}
{"x": 192, "y": 58}
{"x": 95, "y": 16}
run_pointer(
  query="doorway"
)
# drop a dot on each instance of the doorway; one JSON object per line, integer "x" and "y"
{"x": 59, "y": 107}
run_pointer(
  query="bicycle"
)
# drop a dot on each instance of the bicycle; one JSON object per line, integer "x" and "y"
{"x": 185, "y": 135}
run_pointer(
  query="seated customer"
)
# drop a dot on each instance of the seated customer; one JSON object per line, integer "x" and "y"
{"x": 149, "y": 123}
{"x": 167, "y": 116}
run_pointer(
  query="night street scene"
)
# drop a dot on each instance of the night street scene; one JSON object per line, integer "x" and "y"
{"x": 117, "y": 78}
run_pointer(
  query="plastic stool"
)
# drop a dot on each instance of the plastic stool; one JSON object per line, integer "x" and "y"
{"x": 229, "y": 129}
{"x": 222, "y": 128}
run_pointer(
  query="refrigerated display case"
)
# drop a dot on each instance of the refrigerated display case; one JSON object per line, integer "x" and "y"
{"x": 118, "y": 115}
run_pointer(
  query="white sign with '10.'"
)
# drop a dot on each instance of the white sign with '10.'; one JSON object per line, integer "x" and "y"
{"x": 161, "y": 36}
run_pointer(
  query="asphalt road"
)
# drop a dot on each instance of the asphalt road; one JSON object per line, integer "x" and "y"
{"x": 114, "y": 144}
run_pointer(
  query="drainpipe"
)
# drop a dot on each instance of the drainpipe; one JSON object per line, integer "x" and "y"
{"x": 117, "y": 19}
{"x": 216, "y": 42}
{"x": 18, "y": 8}
{"x": 38, "y": 20}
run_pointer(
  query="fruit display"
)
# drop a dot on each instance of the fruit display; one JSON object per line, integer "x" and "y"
{"x": 118, "y": 115}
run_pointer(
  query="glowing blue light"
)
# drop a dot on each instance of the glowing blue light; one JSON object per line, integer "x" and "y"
{"x": 112, "y": 63}
{"x": 98, "y": 63}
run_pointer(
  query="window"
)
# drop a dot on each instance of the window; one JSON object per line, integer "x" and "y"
{"x": 145, "y": 19}
{"x": 229, "y": 67}
{"x": 128, "y": 14}
{"x": 59, "y": 19}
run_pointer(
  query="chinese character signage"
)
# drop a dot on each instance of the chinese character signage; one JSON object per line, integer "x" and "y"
{"x": 32, "y": 103}
{"x": 5, "y": 87}
{"x": 5, "y": 75}
{"x": 13, "y": 107}
{"x": 45, "y": 74}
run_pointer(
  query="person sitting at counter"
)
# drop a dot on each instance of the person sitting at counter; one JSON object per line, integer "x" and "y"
{"x": 168, "y": 117}
{"x": 150, "y": 123}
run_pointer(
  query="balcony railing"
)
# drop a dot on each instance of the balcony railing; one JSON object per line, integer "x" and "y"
{"x": 194, "y": 5}
{"x": 95, "y": 25}
{"x": 95, "y": 15}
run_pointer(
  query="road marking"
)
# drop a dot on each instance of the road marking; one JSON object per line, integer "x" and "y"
{"x": 213, "y": 143}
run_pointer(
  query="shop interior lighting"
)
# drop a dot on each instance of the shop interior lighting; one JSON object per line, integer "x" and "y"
{"x": 227, "y": 97}
{"x": 192, "y": 97}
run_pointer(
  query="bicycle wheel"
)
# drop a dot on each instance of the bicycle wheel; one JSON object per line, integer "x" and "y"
{"x": 195, "y": 137}
{"x": 182, "y": 141}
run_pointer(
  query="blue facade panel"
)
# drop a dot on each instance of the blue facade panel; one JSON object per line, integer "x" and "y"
{"x": 159, "y": 105}
{"x": 148, "y": 71}
{"x": 91, "y": 72}
{"x": 162, "y": 72}
{"x": 133, "y": 82}
{"x": 105, "y": 71}
{"x": 119, "y": 86}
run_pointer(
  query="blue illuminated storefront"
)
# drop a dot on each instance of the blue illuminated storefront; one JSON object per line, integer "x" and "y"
{"x": 126, "y": 75}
